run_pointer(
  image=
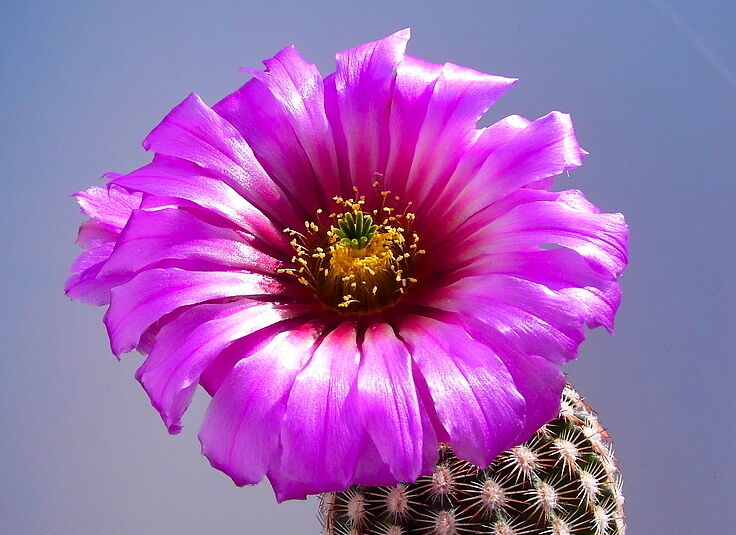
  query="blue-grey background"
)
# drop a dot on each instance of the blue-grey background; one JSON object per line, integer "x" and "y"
{"x": 652, "y": 90}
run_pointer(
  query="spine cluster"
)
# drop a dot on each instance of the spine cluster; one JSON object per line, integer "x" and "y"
{"x": 563, "y": 481}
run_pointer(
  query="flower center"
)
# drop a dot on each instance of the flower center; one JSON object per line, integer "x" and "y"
{"x": 357, "y": 260}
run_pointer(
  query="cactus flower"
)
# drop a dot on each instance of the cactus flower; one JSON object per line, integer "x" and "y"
{"x": 352, "y": 269}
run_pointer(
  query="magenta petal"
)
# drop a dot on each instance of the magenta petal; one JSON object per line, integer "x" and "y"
{"x": 297, "y": 90}
{"x": 473, "y": 392}
{"x": 92, "y": 233}
{"x": 264, "y": 124}
{"x": 321, "y": 422}
{"x": 173, "y": 177}
{"x": 518, "y": 314}
{"x": 433, "y": 432}
{"x": 362, "y": 87}
{"x": 389, "y": 407}
{"x": 459, "y": 98}
{"x": 152, "y": 238}
{"x": 152, "y": 294}
{"x": 571, "y": 222}
{"x": 542, "y": 218}
{"x": 194, "y": 132}
{"x": 545, "y": 148}
{"x": 593, "y": 293}
{"x": 371, "y": 469}
{"x": 185, "y": 347}
{"x": 85, "y": 284}
{"x": 109, "y": 206}
{"x": 288, "y": 75}
{"x": 413, "y": 89}
{"x": 487, "y": 141}
{"x": 109, "y": 210}
{"x": 241, "y": 429}
{"x": 540, "y": 384}
{"x": 287, "y": 488}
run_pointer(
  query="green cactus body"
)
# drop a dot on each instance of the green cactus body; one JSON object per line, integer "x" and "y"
{"x": 563, "y": 481}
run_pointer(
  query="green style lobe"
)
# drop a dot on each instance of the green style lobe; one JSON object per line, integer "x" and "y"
{"x": 356, "y": 230}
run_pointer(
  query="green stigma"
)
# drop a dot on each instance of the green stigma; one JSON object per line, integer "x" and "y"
{"x": 356, "y": 229}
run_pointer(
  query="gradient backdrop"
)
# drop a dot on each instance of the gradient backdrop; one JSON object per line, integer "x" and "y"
{"x": 652, "y": 90}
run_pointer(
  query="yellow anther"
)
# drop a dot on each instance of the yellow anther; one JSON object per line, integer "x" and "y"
{"x": 356, "y": 279}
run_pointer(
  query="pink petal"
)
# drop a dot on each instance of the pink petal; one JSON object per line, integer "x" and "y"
{"x": 188, "y": 345}
{"x": 264, "y": 125}
{"x": 109, "y": 206}
{"x": 487, "y": 141}
{"x": 92, "y": 233}
{"x": 459, "y": 98}
{"x": 370, "y": 471}
{"x": 152, "y": 294}
{"x": 472, "y": 390}
{"x": 281, "y": 114}
{"x": 545, "y": 148}
{"x": 540, "y": 384}
{"x": 241, "y": 429}
{"x": 414, "y": 87}
{"x": 287, "y": 488}
{"x": 594, "y": 293}
{"x": 109, "y": 209}
{"x": 358, "y": 106}
{"x": 565, "y": 219}
{"x": 173, "y": 235}
{"x": 389, "y": 407}
{"x": 321, "y": 431}
{"x": 85, "y": 284}
{"x": 177, "y": 178}
{"x": 520, "y": 315}
{"x": 194, "y": 132}
{"x": 432, "y": 430}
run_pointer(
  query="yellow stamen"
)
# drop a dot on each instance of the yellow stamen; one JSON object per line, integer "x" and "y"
{"x": 355, "y": 264}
